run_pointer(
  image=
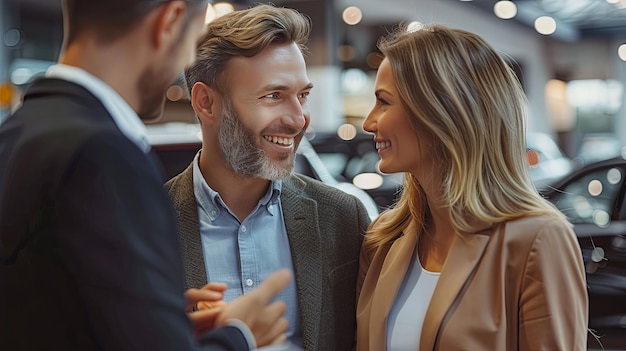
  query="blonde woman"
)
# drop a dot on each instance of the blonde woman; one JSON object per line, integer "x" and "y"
{"x": 471, "y": 257}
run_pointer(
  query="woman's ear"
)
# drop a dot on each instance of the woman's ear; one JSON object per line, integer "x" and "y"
{"x": 205, "y": 102}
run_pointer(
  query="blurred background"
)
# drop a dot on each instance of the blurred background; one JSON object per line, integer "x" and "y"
{"x": 570, "y": 56}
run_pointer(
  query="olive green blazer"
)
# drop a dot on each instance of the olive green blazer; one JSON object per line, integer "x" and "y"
{"x": 325, "y": 228}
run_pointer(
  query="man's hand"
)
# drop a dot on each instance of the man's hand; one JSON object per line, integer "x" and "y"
{"x": 204, "y": 305}
{"x": 266, "y": 321}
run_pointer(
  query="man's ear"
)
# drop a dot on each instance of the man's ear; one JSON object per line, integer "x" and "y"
{"x": 170, "y": 20}
{"x": 205, "y": 102}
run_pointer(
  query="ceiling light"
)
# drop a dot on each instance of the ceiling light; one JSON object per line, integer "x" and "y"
{"x": 352, "y": 15}
{"x": 621, "y": 52}
{"x": 210, "y": 14}
{"x": 346, "y": 131}
{"x": 414, "y": 26}
{"x": 222, "y": 8}
{"x": 368, "y": 181}
{"x": 545, "y": 25}
{"x": 505, "y": 9}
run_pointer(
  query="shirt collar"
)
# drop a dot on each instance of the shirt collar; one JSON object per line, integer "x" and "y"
{"x": 205, "y": 194}
{"x": 123, "y": 115}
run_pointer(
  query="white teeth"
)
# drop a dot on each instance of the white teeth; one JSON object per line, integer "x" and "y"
{"x": 279, "y": 140}
{"x": 382, "y": 145}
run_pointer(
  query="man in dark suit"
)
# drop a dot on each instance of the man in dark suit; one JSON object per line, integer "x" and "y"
{"x": 88, "y": 246}
{"x": 242, "y": 213}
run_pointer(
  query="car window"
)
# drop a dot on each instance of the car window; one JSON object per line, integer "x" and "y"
{"x": 591, "y": 198}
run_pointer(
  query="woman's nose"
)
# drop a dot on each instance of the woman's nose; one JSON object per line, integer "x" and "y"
{"x": 369, "y": 123}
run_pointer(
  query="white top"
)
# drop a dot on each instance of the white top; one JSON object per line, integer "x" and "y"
{"x": 123, "y": 115}
{"x": 406, "y": 317}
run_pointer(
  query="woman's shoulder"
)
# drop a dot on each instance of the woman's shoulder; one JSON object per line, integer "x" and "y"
{"x": 531, "y": 228}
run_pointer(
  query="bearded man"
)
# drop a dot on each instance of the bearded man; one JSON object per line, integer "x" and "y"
{"x": 242, "y": 211}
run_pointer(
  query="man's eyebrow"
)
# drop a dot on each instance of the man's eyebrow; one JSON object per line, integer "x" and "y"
{"x": 282, "y": 87}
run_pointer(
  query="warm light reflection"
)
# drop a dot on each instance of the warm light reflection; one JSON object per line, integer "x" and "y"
{"x": 352, "y": 15}
{"x": 561, "y": 112}
{"x": 414, "y": 26}
{"x": 174, "y": 93}
{"x": 347, "y": 131}
{"x": 210, "y": 14}
{"x": 374, "y": 59}
{"x": 216, "y": 10}
{"x": 532, "y": 156}
{"x": 595, "y": 187}
{"x": 505, "y": 9}
{"x": 368, "y": 181}
{"x": 345, "y": 53}
{"x": 222, "y": 8}
{"x": 621, "y": 52}
{"x": 545, "y": 25}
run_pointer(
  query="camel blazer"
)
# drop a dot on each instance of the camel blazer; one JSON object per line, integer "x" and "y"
{"x": 520, "y": 286}
{"x": 325, "y": 228}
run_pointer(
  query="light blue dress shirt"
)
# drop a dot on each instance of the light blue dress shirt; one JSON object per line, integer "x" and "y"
{"x": 243, "y": 254}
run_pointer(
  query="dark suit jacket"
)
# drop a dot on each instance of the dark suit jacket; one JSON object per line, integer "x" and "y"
{"x": 88, "y": 246}
{"x": 325, "y": 227}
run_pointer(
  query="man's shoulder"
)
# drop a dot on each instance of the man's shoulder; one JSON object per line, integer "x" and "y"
{"x": 180, "y": 184}
{"x": 308, "y": 184}
{"x": 314, "y": 189}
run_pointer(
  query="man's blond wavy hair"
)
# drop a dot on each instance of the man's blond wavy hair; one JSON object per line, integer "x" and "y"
{"x": 244, "y": 33}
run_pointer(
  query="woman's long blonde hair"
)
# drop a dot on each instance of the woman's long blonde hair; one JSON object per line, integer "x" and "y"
{"x": 458, "y": 90}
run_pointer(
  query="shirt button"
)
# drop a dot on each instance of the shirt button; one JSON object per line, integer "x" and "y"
{"x": 243, "y": 229}
{"x": 213, "y": 212}
{"x": 249, "y": 282}
{"x": 270, "y": 207}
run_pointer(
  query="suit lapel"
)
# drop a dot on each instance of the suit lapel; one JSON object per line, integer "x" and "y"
{"x": 457, "y": 272}
{"x": 300, "y": 214}
{"x": 391, "y": 277}
{"x": 189, "y": 230}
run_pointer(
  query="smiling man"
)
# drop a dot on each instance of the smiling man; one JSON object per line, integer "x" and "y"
{"x": 242, "y": 212}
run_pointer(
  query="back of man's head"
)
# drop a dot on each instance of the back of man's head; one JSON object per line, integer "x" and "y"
{"x": 245, "y": 33}
{"x": 108, "y": 20}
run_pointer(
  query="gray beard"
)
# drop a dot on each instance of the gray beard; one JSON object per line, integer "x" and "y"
{"x": 242, "y": 152}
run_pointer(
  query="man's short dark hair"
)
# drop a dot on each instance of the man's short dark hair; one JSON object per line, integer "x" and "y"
{"x": 111, "y": 19}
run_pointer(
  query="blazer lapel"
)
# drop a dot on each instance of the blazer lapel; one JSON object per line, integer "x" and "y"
{"x": 391, "y": 277}
{"x": 300, "y": 214}
{"x": 189, "y": 230}
{"x": 457, "y": 272}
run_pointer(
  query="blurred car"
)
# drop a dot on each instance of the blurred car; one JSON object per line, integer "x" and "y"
{"x": 592, "y": 198}
{"x": 176, "y": 144}
{"x": 355, "y": 160}
{"x": 547, "y": 161}
{"x": 597, "y": 147}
